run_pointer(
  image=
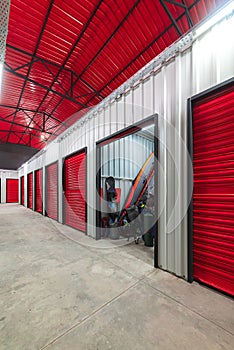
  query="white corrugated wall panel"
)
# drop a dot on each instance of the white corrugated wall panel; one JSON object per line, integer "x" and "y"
{"x": 113, "y": 118}
{"x": 137, "y": 97}
{"x": 121, "y": 114}
{"x": 128, "y": 100}
{"x": 52, "y": 153}
{"x": 212, "y": 56}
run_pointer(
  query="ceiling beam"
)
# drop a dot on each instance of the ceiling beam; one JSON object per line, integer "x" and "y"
{"x": 68, "y": 57}
{"x": 10, "y": 70}
{"x": 26, "y": 126}
{"x": 49, "y": 116}
{"x": 101, "y": 49}
{"x": 174, "y": 20}
{"x": 110, "y": 37}
{"x": 49, "y": 63}
{"x": 51, "y": 3}
{"x": 142, "y": 52}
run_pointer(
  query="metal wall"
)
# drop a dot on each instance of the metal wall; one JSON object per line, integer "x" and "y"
{"x": 6, "y": 174}
{"x": 123, "y": 159}
{"x": 163, "y": 87}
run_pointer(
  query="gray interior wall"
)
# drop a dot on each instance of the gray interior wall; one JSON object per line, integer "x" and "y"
{"x": 123, "y": 159}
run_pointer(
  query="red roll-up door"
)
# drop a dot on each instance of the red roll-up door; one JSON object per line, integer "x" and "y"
{"x": 75, "y": 191}
{"x": 30, "y": 190}
{"x": 213, "y": 199}
{"x": 12, "y": 190}
{"x": 22, "y": 190}
{"x": 38, "y": 190}
{"x": 52, "y": 191}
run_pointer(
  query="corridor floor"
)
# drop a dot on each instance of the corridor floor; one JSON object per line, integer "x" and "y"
{"x": 58, "y": 294}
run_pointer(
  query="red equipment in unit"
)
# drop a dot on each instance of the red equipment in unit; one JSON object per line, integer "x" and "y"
{"x": 22, "y": 190}
{"x": 30, "y": 190}
{"x": 75, "y": 191}
{"x": 12, "y": 190}
{"x": 38, "y": 190}
{"x": 52, "y": 191}
{"x": 213, "y": 198}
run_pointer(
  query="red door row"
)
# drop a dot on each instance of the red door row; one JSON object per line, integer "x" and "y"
{"x": 75, "y": 191}
{"x": 213, "y": 198}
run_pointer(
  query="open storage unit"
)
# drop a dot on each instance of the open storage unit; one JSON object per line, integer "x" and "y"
{"x": 127, "y": 186}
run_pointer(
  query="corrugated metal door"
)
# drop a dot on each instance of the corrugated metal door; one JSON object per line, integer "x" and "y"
{"x": 213, "y": 199}
{"x": 52, "y": 191}
{"x": 12, "y": 190}
{"x": 30, "y": 190}
{"x": 75, "y": 191}
{"x": 22, "y": 190}
{"x": 38, "y": 190}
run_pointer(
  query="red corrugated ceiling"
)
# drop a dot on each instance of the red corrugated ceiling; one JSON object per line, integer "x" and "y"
{"x": 93, "y": 45}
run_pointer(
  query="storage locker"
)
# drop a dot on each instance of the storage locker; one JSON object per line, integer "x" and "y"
{"x": 213, "y": 198}
{"x": 38, "y": 191}
{"x": 75, "y": 190}
{"x": 30, "y": 190}
{"x": 52, "y": 191}
{"x": 22, "y": 190}
{"x": 12, "y": 190}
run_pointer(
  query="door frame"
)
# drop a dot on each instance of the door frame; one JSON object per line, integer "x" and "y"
{"x": 132, "y": 129}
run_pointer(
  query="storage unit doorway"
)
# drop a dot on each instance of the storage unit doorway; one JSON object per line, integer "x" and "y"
{"x": 212, "y": 229}
{"x": 127, "y": 193}
{"x": 52, "y": 191}
{"x": 74, "y": 187}
{"x": 12, "y": 190}
{"x": 22, "y": 190}
{"x": 38, "y": 191}
{"x": 30, "y": 190}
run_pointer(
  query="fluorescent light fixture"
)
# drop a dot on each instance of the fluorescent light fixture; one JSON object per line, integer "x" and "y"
{"x": 217, "y": 17}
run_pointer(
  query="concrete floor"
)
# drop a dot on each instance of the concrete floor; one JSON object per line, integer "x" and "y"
{"x": 57, "y": 294}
